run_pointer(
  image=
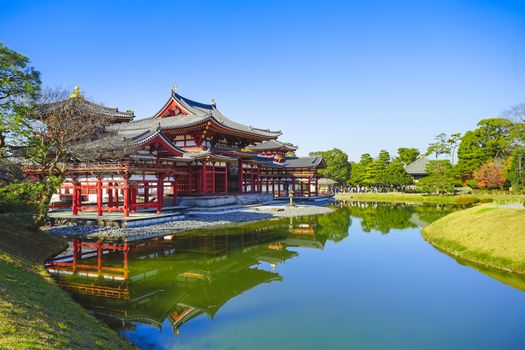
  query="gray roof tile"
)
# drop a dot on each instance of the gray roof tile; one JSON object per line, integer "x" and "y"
{"x": 418, "y": 166}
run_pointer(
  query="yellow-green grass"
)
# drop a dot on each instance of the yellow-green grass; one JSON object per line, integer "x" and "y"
{"x": 34, "y": 312}
{"x": 397, "y": 197}
{"x": 486, "y": 235}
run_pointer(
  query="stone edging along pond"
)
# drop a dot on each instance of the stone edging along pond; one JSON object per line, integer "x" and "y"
{"x": 485, "y": 235}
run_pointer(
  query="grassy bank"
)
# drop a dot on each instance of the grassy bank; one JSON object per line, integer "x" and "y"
{"x": 395, "y": 197}
{"x": 487, "y": 235}
{"x": 34, "y": 312}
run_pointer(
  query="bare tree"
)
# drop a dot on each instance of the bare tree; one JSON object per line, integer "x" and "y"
{"x": 61, "y": 131}
{"x": 515, "y": 113}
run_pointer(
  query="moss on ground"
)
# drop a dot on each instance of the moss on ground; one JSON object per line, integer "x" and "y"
{"x": 487, "y": 235}
{"x": 34, "y": 312}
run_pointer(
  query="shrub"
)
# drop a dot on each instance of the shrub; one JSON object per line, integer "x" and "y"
{"x": 486, "y": 200}
{"x": 18, "y": 197}
{"x": 466, "y": 200}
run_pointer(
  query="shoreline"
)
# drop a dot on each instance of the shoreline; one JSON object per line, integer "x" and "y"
{"x": 485, "y": 235}
{"x": 35, "y": 313}
{"x": 190, "y": 222}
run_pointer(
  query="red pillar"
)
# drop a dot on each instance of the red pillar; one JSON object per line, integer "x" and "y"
{"x": 74, "y": 198}
{"x": 126, "y": 198}
{"x": 316, "y": 186}
{"x": 252, "y": 186}
{"x": 160, "y": 193}
{"x": 99, "y": 196}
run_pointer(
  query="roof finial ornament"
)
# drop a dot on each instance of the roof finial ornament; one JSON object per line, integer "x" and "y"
{"x": 76, "y": 92}
{"x": 213, "y": 101}
{"x": 174, "y": 88}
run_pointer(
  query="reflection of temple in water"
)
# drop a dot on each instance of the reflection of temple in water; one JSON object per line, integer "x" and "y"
{"x": 178, "y": 277}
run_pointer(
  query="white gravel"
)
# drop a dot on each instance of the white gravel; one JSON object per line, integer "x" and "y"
{"x": 190, "y": 222}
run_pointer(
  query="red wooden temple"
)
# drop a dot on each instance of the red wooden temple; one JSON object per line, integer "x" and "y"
{"x": 187, "y": 148}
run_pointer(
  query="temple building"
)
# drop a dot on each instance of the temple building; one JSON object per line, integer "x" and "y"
{"x": 186, "y": 149}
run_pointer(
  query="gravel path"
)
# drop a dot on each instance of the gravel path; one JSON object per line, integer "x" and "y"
{"x": 190, "y": 222}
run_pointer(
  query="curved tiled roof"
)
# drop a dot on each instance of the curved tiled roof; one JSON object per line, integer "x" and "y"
{"x": 80, "y": 104}
{"x": 272, "y": 145}
{"x": 107, "y": 111}
{"x": 304, "y": 162}
{"x": 201, "y": 112}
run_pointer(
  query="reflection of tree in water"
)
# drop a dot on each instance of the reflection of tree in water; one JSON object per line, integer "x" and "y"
{"x": 430, "y": 213}
{"x": 335, "y": 225}
{"x": 384, "y": 217}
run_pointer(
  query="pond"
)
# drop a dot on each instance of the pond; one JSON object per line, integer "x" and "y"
{"x": 361, "y": 277}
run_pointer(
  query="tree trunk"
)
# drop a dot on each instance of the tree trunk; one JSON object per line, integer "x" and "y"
{"x": 51, "y": 184}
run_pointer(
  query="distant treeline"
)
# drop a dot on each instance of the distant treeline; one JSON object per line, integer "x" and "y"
{"x": 489, "y": 156}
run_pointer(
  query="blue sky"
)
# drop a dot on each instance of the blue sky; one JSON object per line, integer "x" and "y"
{"x": 360, "y": 76}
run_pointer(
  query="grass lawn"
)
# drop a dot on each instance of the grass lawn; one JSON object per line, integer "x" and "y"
{"x": 422, "y": 198}
{"x": 34, "y": 312}
{"x": 490, "y": 236}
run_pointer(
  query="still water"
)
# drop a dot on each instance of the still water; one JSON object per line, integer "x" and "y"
{"x": 359, "y": 278}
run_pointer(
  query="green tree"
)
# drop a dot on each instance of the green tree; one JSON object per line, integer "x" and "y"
{"x": 374, "y": 169}
{"x": 440, "y": 177}
{"x": 514, "y": 171}
{"x": 395, "y": 175}
{"x": 337, "y": 165}
{"x": 19, "y": 87}
{"x": 439, "y": 146}
{"x": 492, "y": 139}
{"x": 358, "y": 173}
{"x": 407, "y": 155}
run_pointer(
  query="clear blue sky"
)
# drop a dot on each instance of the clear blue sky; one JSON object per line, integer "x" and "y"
{"x": 361, "y": 76}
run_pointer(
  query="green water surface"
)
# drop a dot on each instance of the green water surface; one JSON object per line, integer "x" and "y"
{"x": 359, "y": 278}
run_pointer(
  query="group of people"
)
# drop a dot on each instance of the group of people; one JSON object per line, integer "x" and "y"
{"x": 372, "y": 189}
